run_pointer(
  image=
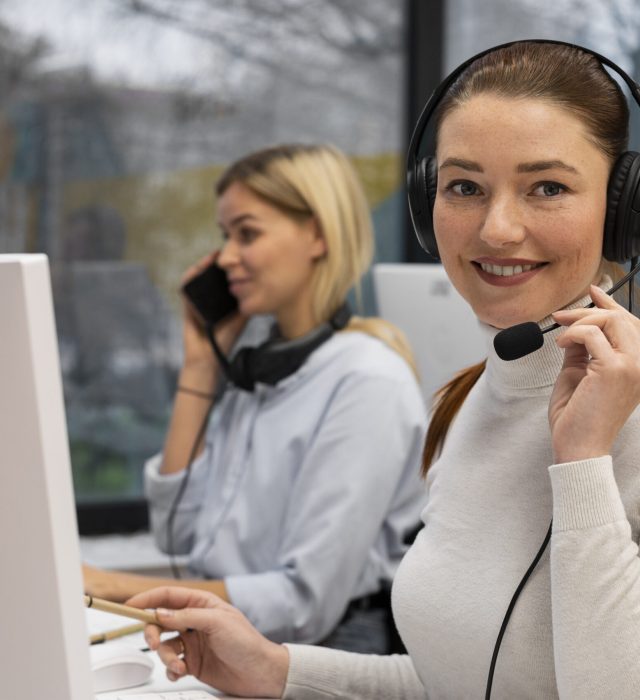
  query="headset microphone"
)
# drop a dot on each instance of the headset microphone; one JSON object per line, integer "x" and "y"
{"x": 517, "y": 341}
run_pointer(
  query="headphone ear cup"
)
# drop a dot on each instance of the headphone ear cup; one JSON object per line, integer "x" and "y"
{"x": 431, "y": 182}
{"x": 424, "y": 197}
{"x": 621, "y": 240}
{"x": 420, "y": 206}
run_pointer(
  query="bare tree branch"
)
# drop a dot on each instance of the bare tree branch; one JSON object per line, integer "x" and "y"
{"x": 301, "y": 40}
{"x": 18, "y": 58}
{"x": 357, "y": 28}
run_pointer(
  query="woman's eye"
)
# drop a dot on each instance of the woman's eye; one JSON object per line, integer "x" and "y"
{"x": 463, "y": 188}
{"x": 247, "y": 235}
{"x": 549, "y": 189}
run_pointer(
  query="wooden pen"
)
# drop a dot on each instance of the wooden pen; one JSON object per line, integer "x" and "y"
{"x": 119, "y": 609}
{"x": 115, "y": 633}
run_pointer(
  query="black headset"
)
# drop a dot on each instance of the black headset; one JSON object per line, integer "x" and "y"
{"x": 622, "y": 221}
{"x": 276, "y": 358}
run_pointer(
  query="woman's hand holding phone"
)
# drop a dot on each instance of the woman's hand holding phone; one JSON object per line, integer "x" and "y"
{"x": 200, "y": 370}
{"x": 203, "y": 297}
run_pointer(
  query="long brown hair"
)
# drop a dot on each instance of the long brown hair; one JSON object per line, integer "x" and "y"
{"x": 564, "y": 76}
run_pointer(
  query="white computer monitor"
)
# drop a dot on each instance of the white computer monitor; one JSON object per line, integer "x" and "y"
{"x": 441, "y": 327}
{"x": 43, "y": 635}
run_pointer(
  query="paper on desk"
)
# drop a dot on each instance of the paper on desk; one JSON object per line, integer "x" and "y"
{"x": 99, "y": 621}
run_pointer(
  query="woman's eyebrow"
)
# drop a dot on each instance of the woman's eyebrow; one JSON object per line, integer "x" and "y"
{"x": 240, "y": 219}
{"x": 532, "y": 167}
{"x": 461, "y": 163}
{"x": 538, "y": 165}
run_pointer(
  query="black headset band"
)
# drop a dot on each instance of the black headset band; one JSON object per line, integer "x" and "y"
{"x": 336, "y": 322}
{"x": 276, "y": 358}
{"x": 441, "y": 89}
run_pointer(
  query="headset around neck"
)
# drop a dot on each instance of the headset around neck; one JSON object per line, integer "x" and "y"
{"x": 276, "y": 358}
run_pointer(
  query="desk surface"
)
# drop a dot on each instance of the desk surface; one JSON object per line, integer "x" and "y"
{"x": 135, "y": 552}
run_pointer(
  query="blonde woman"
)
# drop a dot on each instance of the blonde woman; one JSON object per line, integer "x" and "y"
{"x": 305, "y": 486}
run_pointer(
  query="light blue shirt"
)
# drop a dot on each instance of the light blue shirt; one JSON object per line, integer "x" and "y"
{"x": 305, "y": 490}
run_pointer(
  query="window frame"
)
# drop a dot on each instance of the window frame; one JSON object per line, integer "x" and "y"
{"x": 425, "y": 32}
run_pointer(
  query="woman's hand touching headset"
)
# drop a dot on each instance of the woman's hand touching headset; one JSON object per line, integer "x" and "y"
{"x": 599, "y": 384}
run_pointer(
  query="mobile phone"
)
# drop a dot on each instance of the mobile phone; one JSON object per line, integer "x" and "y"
{"x": 209, "y": 295}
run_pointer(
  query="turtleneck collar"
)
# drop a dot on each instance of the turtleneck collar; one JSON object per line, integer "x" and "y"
{"x": 538, "y": 369}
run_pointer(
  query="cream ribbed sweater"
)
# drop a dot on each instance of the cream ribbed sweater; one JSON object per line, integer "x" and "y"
{"x": 575, "y": 632}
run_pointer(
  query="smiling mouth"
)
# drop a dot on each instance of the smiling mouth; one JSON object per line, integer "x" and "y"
{"x": 506, "y": 270}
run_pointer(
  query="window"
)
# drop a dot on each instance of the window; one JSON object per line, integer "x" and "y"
{"x": 116, "y": 118}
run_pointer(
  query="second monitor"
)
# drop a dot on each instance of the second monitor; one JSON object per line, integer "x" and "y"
{"x": 441, "y": 327}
